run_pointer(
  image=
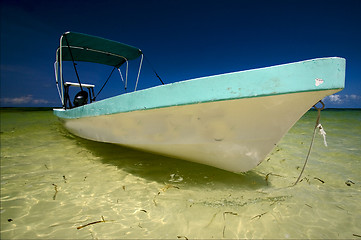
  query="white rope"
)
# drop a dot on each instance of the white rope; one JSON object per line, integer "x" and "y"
{"x": 323, "y": 133}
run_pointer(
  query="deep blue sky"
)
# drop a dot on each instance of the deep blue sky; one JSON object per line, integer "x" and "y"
{"x": 182, "y": 39}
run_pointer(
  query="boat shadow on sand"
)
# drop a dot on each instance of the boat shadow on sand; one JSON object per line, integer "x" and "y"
{"x": 170, "y": 170}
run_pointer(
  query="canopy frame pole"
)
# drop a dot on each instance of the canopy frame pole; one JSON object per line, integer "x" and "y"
{"x": 60, "y": 56}
{"x": 56, "y": 78}
{"x": 140, "y": 67}
{"x": 126, "y": 74}
{"x": 72, "y": 59}
{"x": 121, "y": 77}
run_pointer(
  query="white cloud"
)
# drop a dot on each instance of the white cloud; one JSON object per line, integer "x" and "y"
{"x": 347, "y": 99}
{"x": 335, "y": 99}
{"x": 23, "y": 100}
{"x": 353, "y": 97}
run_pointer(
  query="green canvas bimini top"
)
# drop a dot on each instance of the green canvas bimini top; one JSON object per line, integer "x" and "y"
{"x": 87, "y": 48}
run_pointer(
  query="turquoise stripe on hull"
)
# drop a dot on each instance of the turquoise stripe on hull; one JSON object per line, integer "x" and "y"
{"x": 281, "y": 79}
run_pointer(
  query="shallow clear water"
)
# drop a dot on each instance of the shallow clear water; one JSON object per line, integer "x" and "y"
{"x": 53, "y": 182}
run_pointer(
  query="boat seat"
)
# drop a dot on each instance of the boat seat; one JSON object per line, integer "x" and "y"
{"x": 81, "y": 98}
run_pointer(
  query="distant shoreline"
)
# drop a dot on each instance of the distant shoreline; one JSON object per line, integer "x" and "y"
{"x": 51, "y": 108}
{"x": 27, "y": 108}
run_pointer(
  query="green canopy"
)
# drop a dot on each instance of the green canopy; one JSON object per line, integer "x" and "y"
{"x": 88, "y": 48}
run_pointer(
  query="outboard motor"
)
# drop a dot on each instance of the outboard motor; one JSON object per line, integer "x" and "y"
{"x": 81, "y": 98}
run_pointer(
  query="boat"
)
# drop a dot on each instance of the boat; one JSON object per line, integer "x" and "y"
{"x": 230, "y": 121}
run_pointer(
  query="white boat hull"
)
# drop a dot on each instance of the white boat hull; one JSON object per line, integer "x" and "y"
{"x": 234, "y": 135}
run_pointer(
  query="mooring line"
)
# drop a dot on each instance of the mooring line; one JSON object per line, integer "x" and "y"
{"x": 313, "y": 138}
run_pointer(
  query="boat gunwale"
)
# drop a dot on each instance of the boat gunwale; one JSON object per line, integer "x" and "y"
{"x": 185, "y": 104}
{"x": 97, "y": 108}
